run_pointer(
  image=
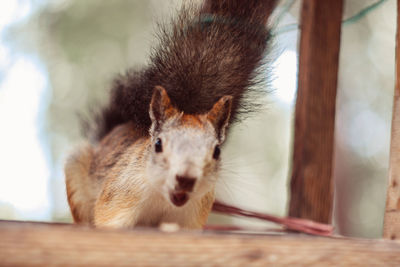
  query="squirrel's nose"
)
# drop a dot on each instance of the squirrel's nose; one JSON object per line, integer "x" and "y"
{"x": 185, "y": 183}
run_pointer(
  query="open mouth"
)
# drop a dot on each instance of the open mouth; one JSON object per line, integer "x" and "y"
{"x": 179, "y": 198}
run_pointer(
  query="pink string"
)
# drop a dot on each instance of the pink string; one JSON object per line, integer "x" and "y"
{"x": 293, "y": 224}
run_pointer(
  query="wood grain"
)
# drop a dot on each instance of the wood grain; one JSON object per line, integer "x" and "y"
{"x": 311, "y": 182}
{"x": 391, "y": 228}
{"x": 35, "y": 244}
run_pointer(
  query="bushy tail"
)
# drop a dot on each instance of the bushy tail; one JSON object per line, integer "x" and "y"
{"x": 250, "y": 11}
{"x": 205, "y": 53}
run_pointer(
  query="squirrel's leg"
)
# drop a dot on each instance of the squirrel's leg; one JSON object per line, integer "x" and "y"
{"x": 81, "y": 188}
{"x": 116, "y": 207}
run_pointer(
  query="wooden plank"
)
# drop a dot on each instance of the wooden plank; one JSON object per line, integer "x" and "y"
{"x": 391, "y": 227}
{"x": 311, "y": 182}
{"x": 30, "y": 244}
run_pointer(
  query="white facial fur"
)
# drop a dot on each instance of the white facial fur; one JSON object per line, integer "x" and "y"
{"x": 188, "y": 143}
{"x": 186, "y": 151}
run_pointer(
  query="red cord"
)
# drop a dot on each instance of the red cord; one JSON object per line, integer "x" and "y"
{"x": 293, "y": 224}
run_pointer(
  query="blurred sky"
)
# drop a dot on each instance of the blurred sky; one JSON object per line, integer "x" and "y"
{"x": 24, "y": 172}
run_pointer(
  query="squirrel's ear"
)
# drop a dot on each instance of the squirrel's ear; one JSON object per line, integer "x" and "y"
{"x": 219, "y": 116}
{"x": 160, "y": 106}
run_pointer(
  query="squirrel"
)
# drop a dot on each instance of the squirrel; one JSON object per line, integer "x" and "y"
{"x": 155, "y": 151}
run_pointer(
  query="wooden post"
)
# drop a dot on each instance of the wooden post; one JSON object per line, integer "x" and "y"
{"x": 312, "y": 183}
{"x": 391, "y": 227}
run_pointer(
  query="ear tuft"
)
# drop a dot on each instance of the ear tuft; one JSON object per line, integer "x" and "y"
{"x": 219, "y": 116}
{"x": 160, "y": 107}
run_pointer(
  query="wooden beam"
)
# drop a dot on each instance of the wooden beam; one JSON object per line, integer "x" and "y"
{"x": 391, "y": 228}
{"x": 27, "y": 244}
{"x": 312, "y": 183}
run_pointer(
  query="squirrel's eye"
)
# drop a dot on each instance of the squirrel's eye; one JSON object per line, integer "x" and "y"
{"x": 217, "y": 151}
{"x": 158, "y": 145}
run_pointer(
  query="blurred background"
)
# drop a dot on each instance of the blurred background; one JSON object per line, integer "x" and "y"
{"x": 58, "y": 58}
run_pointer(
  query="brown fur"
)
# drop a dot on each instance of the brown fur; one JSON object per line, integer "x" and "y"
{"x": 202, "y": 55}
{"x": 203, "y": 71}
{"x": 193, "y": 121}
{"x": 207, "y": 201}
{"x": 96, "y": 194}
{"x": 81, "y": 187}
{"x": 116, "y": 198}
{"x": 101, "y": 187}
{"x": 87, "y": 168}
